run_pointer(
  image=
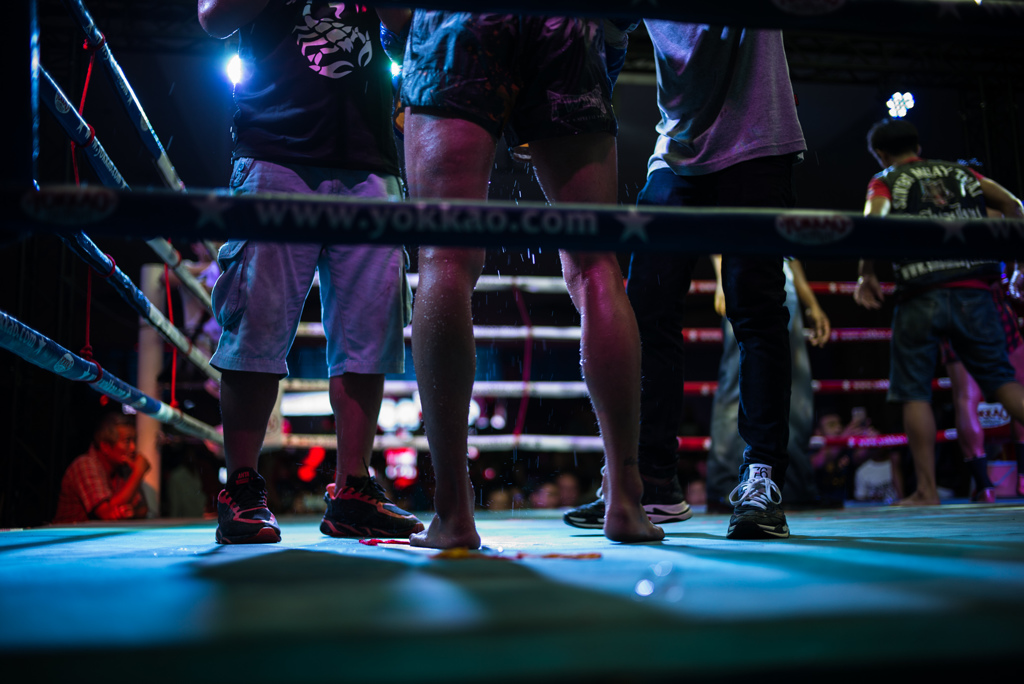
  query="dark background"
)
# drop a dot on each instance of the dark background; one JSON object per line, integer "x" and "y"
{"x": 968, "y": 93}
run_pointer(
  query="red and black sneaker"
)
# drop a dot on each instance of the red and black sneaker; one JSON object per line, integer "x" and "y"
{"x": 361, "y": 509}
{"x": 242, "y": 513}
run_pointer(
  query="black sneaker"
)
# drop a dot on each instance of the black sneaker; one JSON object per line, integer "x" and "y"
{"x": 588, "y": 516}
{"x": 664, "y": 503}
{"x": 360, "y": 509}
{"x": 242, "y": 513}
{"x": 757, "y": 514}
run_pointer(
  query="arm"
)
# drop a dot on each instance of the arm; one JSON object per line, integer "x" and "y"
{"x": 1001, "y": 199}
{"x": 221, "y": 18}
{"x": 1015, "y": 287}
{"x": 119, "y": 505}
{"x": 821, "y": 329}
{"x": 869, "y": 292}
{"x": 716, "y": 261}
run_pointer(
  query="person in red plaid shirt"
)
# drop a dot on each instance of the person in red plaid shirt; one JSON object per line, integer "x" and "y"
{"x": 105, "y": 483}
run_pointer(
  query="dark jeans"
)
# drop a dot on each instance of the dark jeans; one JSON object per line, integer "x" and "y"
{"x": 755, "y": 304}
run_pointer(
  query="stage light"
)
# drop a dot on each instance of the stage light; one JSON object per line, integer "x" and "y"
{"x": 407, "y": 414}
{"x": 474, "y": 411}
{"x": 899, "y": 104}
{"x": 387, "y": 419}
{"x": 306, "y": 404}
{"x": 234, "y": 69}
{"x": 307, "y": 471}
{"x": 396, "y": 69}
{"x": 401, "y": 466}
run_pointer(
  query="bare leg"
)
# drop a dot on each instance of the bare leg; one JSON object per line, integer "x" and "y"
{"x": 447, "y": 158}
{"x": 355, "y": 398}
{"x": 1011, "y": 396}
{"x": 1017, "y": 360}
{"x": 919, "y": 422}
{"x": 582, "y": 169}
{"x": 246, "y": 402}
{"x": 966, "y": 397}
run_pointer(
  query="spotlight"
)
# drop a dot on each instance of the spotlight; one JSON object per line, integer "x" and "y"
{"x": 234, "y": 69}
{"x": 396, "y": 69}
{"x": 899, "y": 104}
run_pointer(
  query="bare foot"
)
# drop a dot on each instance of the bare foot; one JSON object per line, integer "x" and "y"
{"x": 630, "y": 524}
{"x": 450, "y": 534}
{"x": 919, "y": 499}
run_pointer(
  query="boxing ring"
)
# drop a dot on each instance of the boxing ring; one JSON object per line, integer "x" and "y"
{"x": 875, "y": 592}
{"x": 203, "y": 215}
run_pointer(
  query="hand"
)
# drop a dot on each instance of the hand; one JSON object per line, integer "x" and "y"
{"x": 140, "y": 464}
{"x": 821, "y": 329}
{"x": 719, "y": 300}
{"x": 1015, "y": 289}
{"x": 868, "y": 292}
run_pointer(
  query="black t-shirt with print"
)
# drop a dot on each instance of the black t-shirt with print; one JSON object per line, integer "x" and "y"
{"x": 316, "y": 88}
{"x": 938, "y": 189}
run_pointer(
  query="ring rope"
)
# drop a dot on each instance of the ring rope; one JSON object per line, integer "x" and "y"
{"x": 556, "y": 285}
{"x": 334, "y": 220}
{"x": 41, "y": 351}
{"x": 80, "y": 132}
{"x": 585, "y": 444}
{"x": 577, "y": 389}
{"x": 96, "y": 40}
{"x": 86, "y": 249}
{"x": 572, "y": 333}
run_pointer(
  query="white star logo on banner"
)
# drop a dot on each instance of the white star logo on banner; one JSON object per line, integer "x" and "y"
{"x": 634, "y": 225}
{"x": 211, "y": 210}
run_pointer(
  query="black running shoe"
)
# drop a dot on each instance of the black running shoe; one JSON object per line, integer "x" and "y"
{"x": 664, "y": 503}
{"x": 242, "y": 513}
{"x": 588, "y": 516}
{"x": 757, "y": 514}
{"x": 360, "y": 509}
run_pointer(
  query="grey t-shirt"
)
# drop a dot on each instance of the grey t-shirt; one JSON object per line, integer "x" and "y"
{"x": 725, "y": 97}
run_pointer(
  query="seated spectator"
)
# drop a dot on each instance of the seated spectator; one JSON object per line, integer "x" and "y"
{"x": 834, "y": 464}
{"x": 568, "y": 490}
{"x": 105, "y": 483}
{"x": 499, "y": 500}
{"x": 879, "y": 478}
{"x": 545, "y": 495}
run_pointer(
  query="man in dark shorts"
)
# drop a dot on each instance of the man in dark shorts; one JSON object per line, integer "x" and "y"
{"x": 469, "y": 79}
{"x": 967, "y": 397}
{"x": 937, "y": 298}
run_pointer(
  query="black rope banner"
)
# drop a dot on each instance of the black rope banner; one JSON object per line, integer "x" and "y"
{"x": 302, "y": 218}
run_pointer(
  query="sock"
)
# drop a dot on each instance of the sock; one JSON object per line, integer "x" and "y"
{"x": 243, "y": 477}
{"x": 979, "y": 471}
